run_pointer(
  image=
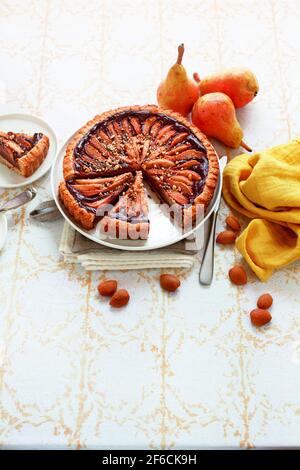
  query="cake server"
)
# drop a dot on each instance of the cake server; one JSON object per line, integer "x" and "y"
{"x": 206, "y": 272}
{"x": 19, "y": 200}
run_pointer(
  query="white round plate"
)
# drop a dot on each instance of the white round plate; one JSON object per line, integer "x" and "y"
{"x": 163, "y": 231}
{"x": 3, "y": 230}
{"x": 17, "y": 122}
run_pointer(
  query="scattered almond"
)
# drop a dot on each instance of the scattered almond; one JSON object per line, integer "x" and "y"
{"x": 238, "y": 275}
{"x": 120, "y": 298}
{"x": 260, "y": 317}
{"x": 107, "y": 288}
{"x": 265, "y": 301}
{"x": 233, "y": 223}
{"x": 226, "y": 237}
{"x": 169, "y": 282}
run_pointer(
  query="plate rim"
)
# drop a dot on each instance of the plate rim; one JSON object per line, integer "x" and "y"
{"x": 215, "y": 199}
{"x": 31, "y": 179}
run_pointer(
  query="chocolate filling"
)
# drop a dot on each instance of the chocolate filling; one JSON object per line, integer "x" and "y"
{"x": 84, "y": 200}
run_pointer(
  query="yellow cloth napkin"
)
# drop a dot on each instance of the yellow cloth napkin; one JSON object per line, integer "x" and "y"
{"x": 265, "y": 187}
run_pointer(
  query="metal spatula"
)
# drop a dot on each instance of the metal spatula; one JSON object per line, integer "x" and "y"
{"x": 19, "y": 200}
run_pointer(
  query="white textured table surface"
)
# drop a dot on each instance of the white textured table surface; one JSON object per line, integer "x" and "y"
{"x": 168, "y": 371}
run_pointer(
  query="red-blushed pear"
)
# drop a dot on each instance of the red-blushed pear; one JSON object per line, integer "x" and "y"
{"x": 214, "y": 114}
{"x": 177, "y": 92}
{"x": 240, "y": 84}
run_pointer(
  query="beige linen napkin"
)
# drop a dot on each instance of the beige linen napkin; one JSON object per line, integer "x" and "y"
{"x": 75, "y": 248}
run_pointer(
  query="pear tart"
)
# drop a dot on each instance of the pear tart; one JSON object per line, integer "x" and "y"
{"x": 23, "y": 153}
{"x": 160, "y": 146}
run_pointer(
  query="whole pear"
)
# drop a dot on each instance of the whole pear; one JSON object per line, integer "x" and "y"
{"x": 214, "y": 114}
{"x": 240, "y": 84}
{"x": 177, "y": 92}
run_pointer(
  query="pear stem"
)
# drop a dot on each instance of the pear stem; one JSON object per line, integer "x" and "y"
{"x": 180, "y": 53}
{"x": 196, "y": 77}
{"x": 245, "y": 146}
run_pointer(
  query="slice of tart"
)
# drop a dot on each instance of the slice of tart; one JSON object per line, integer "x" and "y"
{"x": 129, "y": 217}
{"x": 88, "y": 200}
{"x": 23, "y": 153}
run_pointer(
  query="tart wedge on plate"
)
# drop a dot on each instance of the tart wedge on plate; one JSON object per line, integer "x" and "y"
{"x": 23, "y": 153}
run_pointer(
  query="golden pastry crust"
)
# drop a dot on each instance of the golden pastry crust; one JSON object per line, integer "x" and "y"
{"x": 136, "y": 139}
{"x": 80, "y": 215}
{"x": 34, "y": 158}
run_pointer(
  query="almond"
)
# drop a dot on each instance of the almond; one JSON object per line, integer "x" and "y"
{"x": 169, "y": 282}
{"x": 107, "y": 288}
{"x": 227, "y": 237}
{"x": 238, "y": 275}
{"x": 233, "y": 222}
{"x": 120, "y": 298}
{"x": 260, "y": 317}
{"x": 264, "y": 301}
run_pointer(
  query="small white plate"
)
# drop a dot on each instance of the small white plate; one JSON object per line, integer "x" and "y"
{"x": 163, "y": 231}
{"x": 3, "y": 230}
{"x": 29, "y": 124}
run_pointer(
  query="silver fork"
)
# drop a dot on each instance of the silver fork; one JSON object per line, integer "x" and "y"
{"x": 206, "y": 272}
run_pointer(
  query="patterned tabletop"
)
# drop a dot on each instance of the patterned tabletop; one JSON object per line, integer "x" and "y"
{"x": 169, "y": 371}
